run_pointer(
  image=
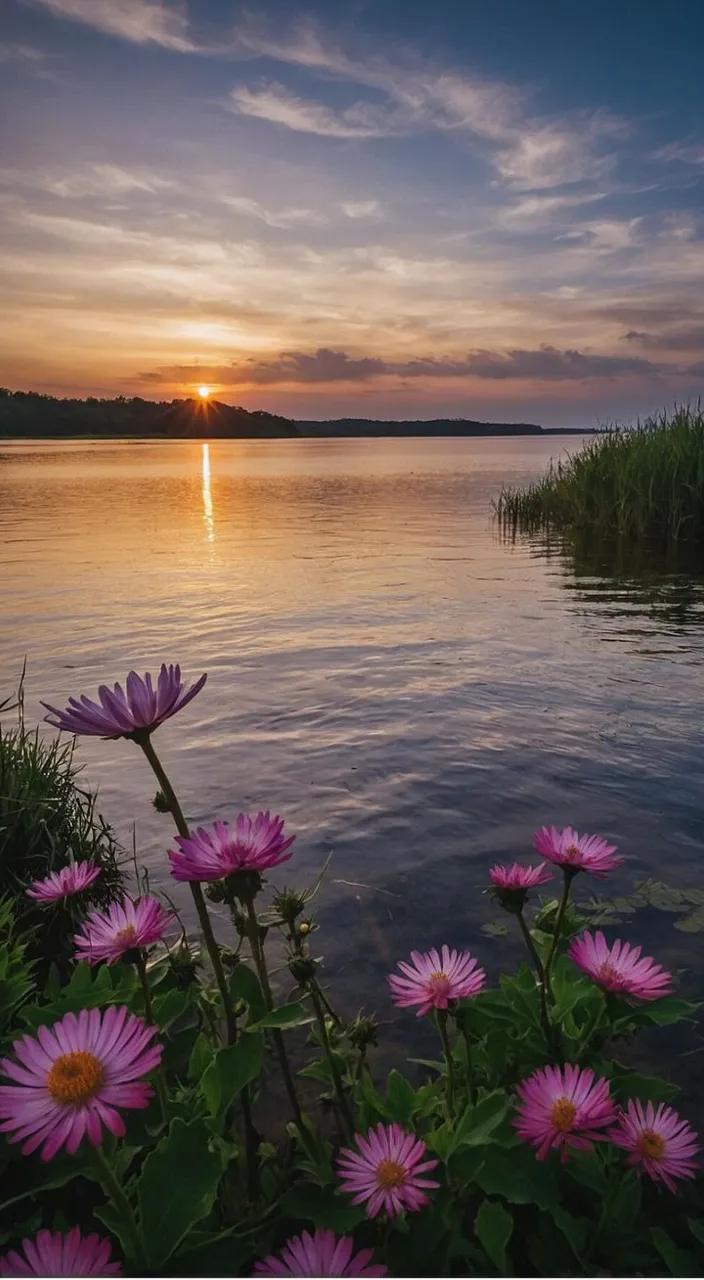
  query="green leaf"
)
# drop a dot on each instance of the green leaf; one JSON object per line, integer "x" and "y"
{"x": 231, "y": 1069}
{"x": 478, "y": 1122}
{"x": 400, "y": 1098}
{"x": 170, "y": 1006}
{"x": 632, "y": 1084}
{"x": 573, "y": 1229}
{"x": 679, "y": 1262}
{"x": 110, "y": 1215}
{"x": 201, "y": 1057}
{"x": 322, "y": 1206}
{"x": 288, "y": 1015}
{"x": 494, "y": 1225}
{"x": 516, "y": 1175}
{"x": 245, "y": 985}
{"x": 177, "y": 1188}
{"x": 222, "y": 1255}
{"x": 63, "y": 1169}
{"x": 693, "y": 923}
{"x": 627, "y": 1202}
{"x": 697, "y": 1229}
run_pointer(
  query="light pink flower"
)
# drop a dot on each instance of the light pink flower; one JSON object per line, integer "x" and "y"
{"x": 563, "y": 1107}
{"x": 74, "y": 878}
{"x": 255, "y": 844}
{"x": 320, "y": 1254}
{"x": 660, "y": 1143}
{"x": 577, "y": 853}
{"x": 384, "y": 1171}
{"x": 133, "y": 713}
{"x": 109, "y": 935}
{"x": 619, "y": 967}
{"x": 433, "y": 979}
{"x": 51, "y": 1253}
{"x": 518, "y": 877}
{"x": 73, "y": 1077}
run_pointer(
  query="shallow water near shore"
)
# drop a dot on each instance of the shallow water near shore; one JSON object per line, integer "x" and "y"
{"x": 405, "y": 688}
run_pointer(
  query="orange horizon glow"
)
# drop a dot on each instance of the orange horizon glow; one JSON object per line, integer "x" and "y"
{"x": 204, "y": 392}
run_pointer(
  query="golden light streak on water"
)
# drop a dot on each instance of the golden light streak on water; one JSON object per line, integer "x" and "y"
{"x": 207, "y": 495}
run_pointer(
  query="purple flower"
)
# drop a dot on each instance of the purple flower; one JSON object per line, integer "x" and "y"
{"x": 51, "y": 1253}
{"x": 577, "y": 853}
{"x": 256, "y": 844}
{"x": 122, "y": 928}
{"x": 74, "y": 878}
{"x": 384, "y": 1169}
{"x": 658, "y": 1141}
{"x": 321, "y": 1254}
{"x": 619, "y": 967}
{"x": 433, "y": 979}
{"x": 134, "y": 713}
{"x": 563, "y": 1107}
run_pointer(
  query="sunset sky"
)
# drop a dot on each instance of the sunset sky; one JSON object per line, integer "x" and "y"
{"x": 379, "y": 208}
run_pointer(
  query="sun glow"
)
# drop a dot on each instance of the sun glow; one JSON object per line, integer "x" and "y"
{"x": 204, "y": 392}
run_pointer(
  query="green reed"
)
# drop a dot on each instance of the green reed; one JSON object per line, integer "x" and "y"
{"x": 644, "y": 483}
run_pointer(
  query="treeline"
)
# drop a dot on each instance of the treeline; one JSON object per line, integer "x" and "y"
{"x": 29, "y": 414}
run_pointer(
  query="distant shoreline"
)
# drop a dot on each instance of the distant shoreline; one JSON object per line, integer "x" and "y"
{"x": 150, "y": 437}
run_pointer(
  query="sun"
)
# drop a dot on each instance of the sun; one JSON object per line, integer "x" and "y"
{"x": 204, "y": 392}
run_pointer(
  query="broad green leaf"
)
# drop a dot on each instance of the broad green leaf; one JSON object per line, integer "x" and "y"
{"x": 493, "y": 1226}
{"x": 627, "y": 1202}
{"x": 244, "y": 985}
{"x": 573, "y": 1229}
{"x": 478, "y": 1122}
{"x": 516, "y": 1175}
{"x": 288, "y": 1015}
{"x": 697, "y": 1229}
{"x": 631, "y": 1084}
{"x": 231, "y": 1069}
{"x": 113, "y": 1220}
{"x": 177, "y": 1187}
{"x": 693, "y": 923}
{"x": 400, "y": 1098}
{"x": 201, "y": 1057}
{"x": 44, "y": 1177}
{"x": 170, "y": 1006}
{"x": 222, "y": 1255}
{"x": 323, "y": 1207}
{"x": 679, "y": 1262}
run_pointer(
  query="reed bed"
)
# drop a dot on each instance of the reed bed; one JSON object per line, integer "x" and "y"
{"x": 644, "y": 483}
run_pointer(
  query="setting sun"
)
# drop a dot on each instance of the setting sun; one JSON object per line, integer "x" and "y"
{"x": 204, "y": 392}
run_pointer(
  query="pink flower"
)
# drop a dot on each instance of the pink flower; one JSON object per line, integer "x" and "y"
{"x": 576, "y": 853}
{"x": 52, "y": 1254}
{"x": 74, "y": 878}
{"x": 432, "y": 980}
{"x": 518, "y": 877}
{"x": 71, "y": 1079}
{"x": 660, "y": 1144}
{"x": 122, "y": 928}
{"x": 563, "y": 1107}
{"x": 619, "y": 967}
{"x": 132, "y": 714}
{"x": 320, "y": 1254}
{"x": 255, "y": 845}
{"x": 384, "y": 1170}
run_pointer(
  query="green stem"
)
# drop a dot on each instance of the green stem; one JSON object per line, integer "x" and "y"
{"x": 595, "y": 1024}
{"x": 116, "y": 1196}
{"x": 468, "y": 1050}
{"x": 441, "y": 1023}
{"x": 568, "y": 873}
{"x": 345, "y": 1112}
{"x": 141, "y": 966}
{"x": 541, "y": 983}
{"x": 604, "y": 1217}
{"x": 163, "y": 780}
{"x": 260, "y": 963}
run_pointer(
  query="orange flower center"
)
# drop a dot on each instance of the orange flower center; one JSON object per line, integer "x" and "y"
{"x": 389, "y": 1174}
{"x": 651, "y": 1145}
{"x": 127, "y": 936}
{"x": 75, "y": 1077}
{"x": 607, "y": 972}
{"x": 438, "y": 977}
{"x": 571, "y": 851}
{"x": 563, "y": 1114}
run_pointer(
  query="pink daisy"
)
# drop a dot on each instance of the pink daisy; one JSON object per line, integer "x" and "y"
{"x": 563, "y": 1107}
{"x": 71, "y": 1079}
{"x": 74, "y": 878}
{"x": 660, "y": 1144}
{"x": 255, "y": 845}
{"x": 518, "y": 877}
{"x": 433, "y": 979}
{"x": 122, "y": 928}
{"x": 320, "y": 1254}
{"x": 384, "y": 1170}
{"x": 133, "y": 713}
{"x": 51, "y": 1253}
{"x": 577, "y": 853}
{"x": 619, "y": 967}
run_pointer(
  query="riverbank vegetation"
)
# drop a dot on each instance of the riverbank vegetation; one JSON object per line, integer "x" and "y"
{"x": 169, "y": 1108}
{"x": 622, "y": 487}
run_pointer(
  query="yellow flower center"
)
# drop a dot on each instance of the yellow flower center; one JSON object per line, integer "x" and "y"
{"x": 651, "y": 1145}
{"x": 389, "y": 1174}
{"x": 127, "y": 936}
{"x": 75, "y": 1077}
{"x": 571, "y": 852}
{"x": 607, "y": 972}
{"x": 563, "y": 1114}
{"x": 438, "y": 977}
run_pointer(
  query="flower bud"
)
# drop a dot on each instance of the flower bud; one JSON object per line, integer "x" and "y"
{"x": 362, "y": 1031}
{"x": 302, "y": 968}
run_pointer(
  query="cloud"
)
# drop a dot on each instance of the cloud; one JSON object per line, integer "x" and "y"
{"x": 23, "y": 53}
{"x": 688, "y": 338}
{"x": 140, "y": 21}
{"x": 537, "y": 210}
{"x": 361, "y": 208}
{"x": 546, "y": 364}
{"x": 686, "y": 153}
{"x": 104, "y": 180}
{"x": 282, "y": 218}
{"x": 561, "y": 153}
{"x": 274, "y": 103}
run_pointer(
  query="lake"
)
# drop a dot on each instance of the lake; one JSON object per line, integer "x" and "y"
{"x": 406, "y": 689}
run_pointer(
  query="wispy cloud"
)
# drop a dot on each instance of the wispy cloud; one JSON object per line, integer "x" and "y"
{"x": 361, "y": 209}
{"x": 140, "y": 21}
{"x": 274, "y": 103}
{"x": 562, "y": 152}
{"x": 22, "y": 53}
{"x": 283, "y": 218}
{"x": 686, "y": 153}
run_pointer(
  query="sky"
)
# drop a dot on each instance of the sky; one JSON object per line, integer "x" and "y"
{"x": 376, "y": 208}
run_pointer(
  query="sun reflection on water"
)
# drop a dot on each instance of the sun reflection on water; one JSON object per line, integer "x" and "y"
{"x": 207, "y": 495}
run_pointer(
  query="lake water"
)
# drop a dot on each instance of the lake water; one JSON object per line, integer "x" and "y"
{"x": 407, "y": 690}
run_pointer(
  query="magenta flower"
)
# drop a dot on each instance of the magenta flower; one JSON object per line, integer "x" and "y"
{"x": 74, "y": 878}
{"x": 135, "y": 713}
{"x": 126, "y": 925}
{"x": 563, "y": 1107}
{"x": 256, "y": 844}
{"x": 384, "y": 1171}
{"x": 577, "y": 853}
{"x": 433, "y": 979}
{"x": 51, "y": 1253}
{"x": 71, "y": 1079}
{"x": 619, "y": 967}
{"x": 320, "y": 1254}
{"x": 660, "y": 1143}
{"x": 518, "y": 877}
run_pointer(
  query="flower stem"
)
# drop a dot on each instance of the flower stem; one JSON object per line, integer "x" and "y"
{"x": 468, "y": 1051}
{"x": 567, "y": 880}
{"x": 141, "y": 966}
{"x": 441, "y": 1023}
{"x": 163, "y": 780}
{"x": 345, "y": 1112}
{"x": 260, "y": 962}
{"x": 541, "y": 984}
{"x": 132, "y": 1240}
